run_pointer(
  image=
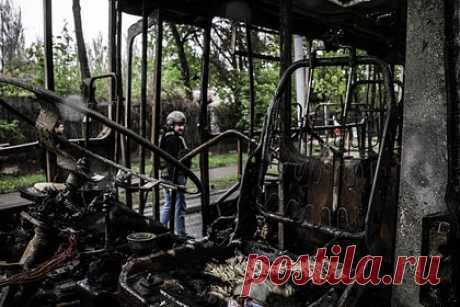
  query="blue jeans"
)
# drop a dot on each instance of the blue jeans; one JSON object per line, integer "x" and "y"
{"x": 181, "y": 206}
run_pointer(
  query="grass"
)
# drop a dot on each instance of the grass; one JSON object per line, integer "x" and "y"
{"x": 10, "y": 183}
{"x": 215, "y": 161}
{"x": 216, "y": 184}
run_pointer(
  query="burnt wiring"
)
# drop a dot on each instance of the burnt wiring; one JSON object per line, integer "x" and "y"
{"x": 65, "y": 252}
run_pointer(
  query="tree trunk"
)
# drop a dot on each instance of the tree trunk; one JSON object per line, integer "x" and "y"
{"x": 185, "y": 69}
{"x": 82, "y": 56}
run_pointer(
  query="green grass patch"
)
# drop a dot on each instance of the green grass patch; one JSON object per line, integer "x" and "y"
{"x": 215, "y": 161}
{"x": 10, "y": 183}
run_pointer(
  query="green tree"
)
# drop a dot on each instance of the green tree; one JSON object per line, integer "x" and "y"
{"x": 11, "y": 36}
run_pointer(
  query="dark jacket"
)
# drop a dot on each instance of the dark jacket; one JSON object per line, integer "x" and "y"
{"x": 176, "y": 146}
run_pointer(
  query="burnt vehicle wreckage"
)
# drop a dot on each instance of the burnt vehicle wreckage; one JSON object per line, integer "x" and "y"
{"x": 82, "y": 246}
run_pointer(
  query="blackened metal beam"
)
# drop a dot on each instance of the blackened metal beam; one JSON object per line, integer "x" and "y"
{"x": 286, "y": 60}
{"x": 112, "y": 47}
{"x": 51, "y": 160}
{"x": 203, "y": 128}
{"x": 156, "y": 112}
{"x": 252, "y": 97}
{"x": 128, "y": 105}
{"x": 119, "y": 142}
{"x": 285, "y": 106}
{"x": 143, "y": 104}
{"x": 48, "y": 37}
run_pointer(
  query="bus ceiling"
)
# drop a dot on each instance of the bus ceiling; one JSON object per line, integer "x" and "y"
{"x": 376, "y": 26}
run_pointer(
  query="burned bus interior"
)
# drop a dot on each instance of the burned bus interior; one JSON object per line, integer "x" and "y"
{"x": 318, "y": 173}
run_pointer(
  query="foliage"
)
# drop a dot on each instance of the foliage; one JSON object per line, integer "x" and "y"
{"x": 9, "y": 132}
{"x": 66, "y": 67}
{"x": 11, "y": 36}
{"x": 11, "y": 183}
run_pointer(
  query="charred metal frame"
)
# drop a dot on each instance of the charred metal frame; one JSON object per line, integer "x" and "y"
{"x": 203, "y": 124}
{"x": 252, "y": 97}
{"x": 51, "y": 161}
{"x": 143, "y": 102}
{"x": 157, "y": 108}
{"x": 285, "y": 104}
{"x": 262, "y": 157}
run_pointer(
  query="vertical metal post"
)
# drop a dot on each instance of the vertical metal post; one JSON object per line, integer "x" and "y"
{"x": 252, "y": 97}
{"x": 129, "y": 199}
{"x": 156, "y": 112}
{"x": 143, "y": 105}
{"x": 51, "y": 160}
{"x": 286, "y": 60}
{"x": 285, "y": 108}
{"x": 119, "y": 140}
{"x": 48, "y": 37}
{"x": 204, "y": 166}
{"x": 112, "y": 55}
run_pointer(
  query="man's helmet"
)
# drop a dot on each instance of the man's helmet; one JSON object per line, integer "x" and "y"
{"x": 175, "y": 117}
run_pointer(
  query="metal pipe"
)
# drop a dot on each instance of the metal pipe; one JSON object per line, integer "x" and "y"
{"x": 203, "y": 120}
{"x": 327, "y": 230}
{"x": 156, "y": 112}
{"x": 143, "y": 104}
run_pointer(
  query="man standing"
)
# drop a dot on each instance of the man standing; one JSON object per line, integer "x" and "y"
{"x": 173, "y": 142}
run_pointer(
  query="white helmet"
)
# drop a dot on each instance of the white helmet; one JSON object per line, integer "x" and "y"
{"x": 175, "y": 117}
